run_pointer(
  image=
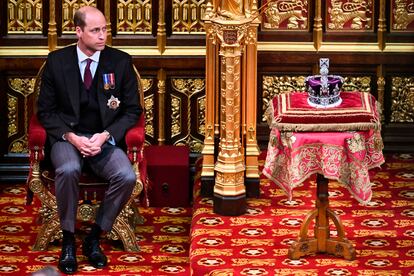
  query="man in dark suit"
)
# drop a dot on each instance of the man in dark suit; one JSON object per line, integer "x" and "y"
{"x": 88, "y": 100}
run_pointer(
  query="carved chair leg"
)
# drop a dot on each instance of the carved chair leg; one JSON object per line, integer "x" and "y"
{"x": 126, "y": 234}
{"x": 49, "y": 229}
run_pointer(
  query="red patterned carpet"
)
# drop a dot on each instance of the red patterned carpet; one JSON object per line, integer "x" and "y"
{"x": 257, "y": 243}
{"x": 253, "y": 244}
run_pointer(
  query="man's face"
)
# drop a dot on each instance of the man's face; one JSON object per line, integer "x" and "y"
{"x": 93, "y": 36}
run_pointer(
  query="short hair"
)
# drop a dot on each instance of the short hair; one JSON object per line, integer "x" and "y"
{"x": 79, "y": 19}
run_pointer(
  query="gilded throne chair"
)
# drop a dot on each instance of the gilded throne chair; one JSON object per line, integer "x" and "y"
{"x": 41, "y": 184}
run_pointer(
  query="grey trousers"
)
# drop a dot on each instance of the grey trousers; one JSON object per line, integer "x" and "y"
{"x": 112, "y": 164}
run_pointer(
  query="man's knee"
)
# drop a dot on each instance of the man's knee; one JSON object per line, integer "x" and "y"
{"x": 127, "y": 177}
{"x": 69, "y": 170}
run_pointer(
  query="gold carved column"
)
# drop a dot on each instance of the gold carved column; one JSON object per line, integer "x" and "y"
{"x": 230, "y": 166}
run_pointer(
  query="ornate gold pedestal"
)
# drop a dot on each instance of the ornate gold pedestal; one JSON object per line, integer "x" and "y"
{"x": 322, "y": 242}
{"x": 231, "y": 80}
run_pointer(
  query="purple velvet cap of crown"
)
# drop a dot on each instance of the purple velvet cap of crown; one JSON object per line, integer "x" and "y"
{"x": 317, "y": 98}
{"x": 334, "y": 84}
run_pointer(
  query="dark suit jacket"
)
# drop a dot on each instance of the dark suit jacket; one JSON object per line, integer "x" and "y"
{"x": 59, "y": 104}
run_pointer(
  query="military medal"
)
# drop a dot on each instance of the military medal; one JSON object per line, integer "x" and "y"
{"x": 109, "y": 81}
{"x": 113, "y": 102}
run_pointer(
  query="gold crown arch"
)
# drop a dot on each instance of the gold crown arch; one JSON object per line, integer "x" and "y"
{"x": 231, "y": 96}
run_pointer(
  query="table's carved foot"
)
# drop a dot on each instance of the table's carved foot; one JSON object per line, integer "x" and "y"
{"x": 338, "y": 246}
{"x": 322, "y": 242}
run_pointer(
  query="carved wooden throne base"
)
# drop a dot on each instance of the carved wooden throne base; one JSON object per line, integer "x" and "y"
{"x": 123, "y": 228}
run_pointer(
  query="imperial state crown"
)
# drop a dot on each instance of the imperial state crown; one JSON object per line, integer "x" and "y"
{"x": 324, "y": 90}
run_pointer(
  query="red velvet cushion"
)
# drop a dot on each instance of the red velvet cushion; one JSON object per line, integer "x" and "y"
{"x": 291, "y": 112}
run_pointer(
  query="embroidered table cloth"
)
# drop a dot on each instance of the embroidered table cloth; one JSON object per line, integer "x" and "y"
{"x": 341, "y": 143}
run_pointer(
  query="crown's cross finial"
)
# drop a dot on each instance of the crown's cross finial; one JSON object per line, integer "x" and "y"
{"x": 323, "y": 71}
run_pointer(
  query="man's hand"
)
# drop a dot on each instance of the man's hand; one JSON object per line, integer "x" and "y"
{"x": 87, "y": 147}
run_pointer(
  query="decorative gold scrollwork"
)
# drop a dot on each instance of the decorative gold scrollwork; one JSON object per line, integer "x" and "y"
{"x": 86, "y": 212}
{"x": 402, "y": 108}
{"x": 362, "y": 84}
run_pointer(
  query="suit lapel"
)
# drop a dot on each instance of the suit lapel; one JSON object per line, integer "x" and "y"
{"x": 72, "y": 76}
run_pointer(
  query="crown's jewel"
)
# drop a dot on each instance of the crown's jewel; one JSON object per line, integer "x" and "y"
{"x": 324, "y": 90}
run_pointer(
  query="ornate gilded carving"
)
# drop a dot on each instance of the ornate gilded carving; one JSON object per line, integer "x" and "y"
{"x": 274, "y": 85}
{"x": 402, "y": 18}
{"x": 187, "y": 16}
{"x": 362, "y": 84}
{"x": 190, "y": 88}
{"x": 146, "y": 84}
{"x": 12, "y": 114}
{"x": 22, "y": 86}
{"x": 134, "y": 16}
{"x": 69, "y": 7}
{"x": 402, "y": 96}
{"x": 25, "y": 16}
{"x": 149, "y": 115}
{"x": 149, "y": 106}
{"x": 201, "y": 113}
{"x": 350, "y": 15}
{"x": 286, "y": 15}
{"x": 175, "y": 116}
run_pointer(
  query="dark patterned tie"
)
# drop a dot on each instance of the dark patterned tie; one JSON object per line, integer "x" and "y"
{"x": 87, "y": 77}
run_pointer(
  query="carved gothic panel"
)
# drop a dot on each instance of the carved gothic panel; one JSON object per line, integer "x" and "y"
{"x": 69, "y": 7}
{"x": 187, "y": 112}
{"x": 134, "y": 16}
{"x": 402, "y": 15}
{"x": 24, "y": 16}
{"x": 402, "y": 96}
{"x": 350, "y": 15}
{"x": 187, "y": 16}
{"x": 18, "y": 120}
{"x": 285, "y": 15}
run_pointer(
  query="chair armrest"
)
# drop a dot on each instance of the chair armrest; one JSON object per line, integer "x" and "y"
{"x": 36, "y": 139}
{"x": 135, "y": 138}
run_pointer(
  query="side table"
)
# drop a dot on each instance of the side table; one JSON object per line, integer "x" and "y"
{"x": 341, "y": 143}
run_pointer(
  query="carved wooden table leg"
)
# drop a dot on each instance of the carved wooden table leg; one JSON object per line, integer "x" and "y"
{"x": 322, "y": 242}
